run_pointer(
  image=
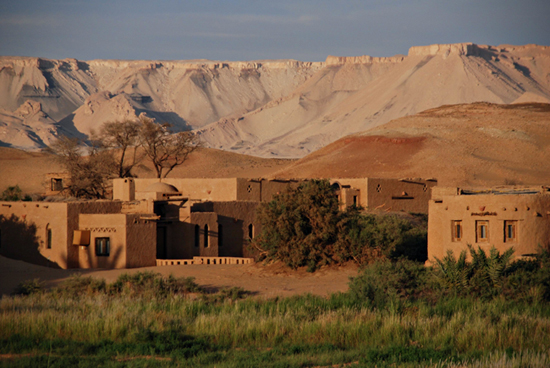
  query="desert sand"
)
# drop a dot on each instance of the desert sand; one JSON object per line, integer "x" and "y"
{"x": 265, "y": 281}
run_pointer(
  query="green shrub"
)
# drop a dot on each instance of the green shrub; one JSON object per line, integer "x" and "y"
{"x": 304, "y": 227}
{"x": 366, "y": 237}
{"x": 383, "y": 283}
{"x": 152, "y": 284}
{"x": 299, "y": 226}
{"x": 495, "y": 275}
{"x": 13, "y": 194}
{"x": 29, "y": 287}
{"x": 78, "y": 285}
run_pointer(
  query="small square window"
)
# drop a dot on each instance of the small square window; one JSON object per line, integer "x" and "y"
{"x": 482, "y": 231}
{"x": 457, "y": 230}
{"x": 510, "y": 231}
{"x": 102, "y": 247}
{"x": 56, "y": 185}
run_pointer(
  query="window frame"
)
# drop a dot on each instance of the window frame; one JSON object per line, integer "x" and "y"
{"x": 99, "y": 252}
{"x": 456, "y": 236}
{"x": 480, "y": 224}
{"x": 56, "y": 184}
{"x": 514, "y": 224}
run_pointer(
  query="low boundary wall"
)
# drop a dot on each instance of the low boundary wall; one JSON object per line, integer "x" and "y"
{"x": 204, "y": 260}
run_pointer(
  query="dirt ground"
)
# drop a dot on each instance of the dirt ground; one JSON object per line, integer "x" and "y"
{"x": 261, "y": 280}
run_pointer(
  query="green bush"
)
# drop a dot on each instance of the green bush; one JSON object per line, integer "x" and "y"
{"x": 13, "y": 194}
{"x": 78, "y": 285}
{"x": 304, "y": 227}
{"x": 29, "y": 287}
{"x": 299, "y": 226}
{"x": 495, "y": 275}
{"x": 153, "y": 284}
{"x": 391, "y": 283}
{"x": 365, "y": 237}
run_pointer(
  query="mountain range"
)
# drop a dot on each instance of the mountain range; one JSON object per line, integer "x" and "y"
{"x": 266, "y": 108}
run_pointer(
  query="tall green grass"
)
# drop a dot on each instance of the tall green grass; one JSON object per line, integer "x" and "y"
{"x": 148, "y": 320}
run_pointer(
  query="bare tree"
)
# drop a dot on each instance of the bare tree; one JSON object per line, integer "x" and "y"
{"x": 121, "y": 138}
{"x": 165, "y": 149}
{"x": 89, "y": 173}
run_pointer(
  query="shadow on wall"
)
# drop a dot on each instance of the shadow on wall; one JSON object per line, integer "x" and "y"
{"x": 18, "y": 240}
{"x": 89, "y": 257}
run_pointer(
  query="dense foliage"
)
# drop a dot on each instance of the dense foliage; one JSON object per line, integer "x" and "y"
{"x": 305, "y": 227}
{"x": 485, "y": 277}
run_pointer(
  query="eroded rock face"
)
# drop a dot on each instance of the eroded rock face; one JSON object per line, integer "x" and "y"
{"x": 283, "y": 108}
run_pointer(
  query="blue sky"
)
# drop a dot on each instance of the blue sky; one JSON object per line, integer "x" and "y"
{"x": 249, "y": 30}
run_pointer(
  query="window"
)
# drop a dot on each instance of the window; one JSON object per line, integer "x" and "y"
{"x": 48, "y": 238}
{"x": 197, "y": 236}
{"x": 457, "y": 230}
{"x": 57, "y": 185}
{"x": 206, "y": 236}
{"x": 482, "y": 231}
{"x": 220, "y": 235}
{"x": 510, "y": 231}
{"x": 251, "y": 231}
{"x": 102, "y": 247}
{"x": 355, "y": 200}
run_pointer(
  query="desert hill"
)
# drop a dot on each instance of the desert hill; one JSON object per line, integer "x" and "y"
{"x": 475, "y": 144}
{"x": 281, "y": 108}
{"x": 467, "y": 144}
{"x": 28, "y": 169}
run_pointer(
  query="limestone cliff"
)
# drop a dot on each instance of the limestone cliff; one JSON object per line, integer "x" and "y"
{"x": 284, "y": 108}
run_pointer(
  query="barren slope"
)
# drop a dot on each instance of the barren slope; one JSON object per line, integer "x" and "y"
{"x": 354, "y": 94}
{"x": 28, "y": 169}
{"x": 282, "y": 108}
{"x": 473, "y": 144}
{"x": 187, "y": 94}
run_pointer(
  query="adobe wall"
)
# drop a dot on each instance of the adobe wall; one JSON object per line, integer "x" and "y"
{"x": 248, "y": 190}
{"x": 270, "y": 188}
{"x": 359, "y": 186}
{"x": 23, "y": 232}
{"x": 74, "y": 209}
{"x": 180, "y": 240}
{"x": 201, "y": 219}
{"x": 112, "y": 226}
{"x": 236, "y": 217}
{"x": 224, "y": 189}
{"x": 204, "y": 189}
{"x": 140, "y": 242}
{"x": 124, "y": 189}
{"x": 399, "y": 194}
{"x": 531, "y": 211}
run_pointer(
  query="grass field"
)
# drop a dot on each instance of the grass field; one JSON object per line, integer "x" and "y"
{"x": 145, "y": 320}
